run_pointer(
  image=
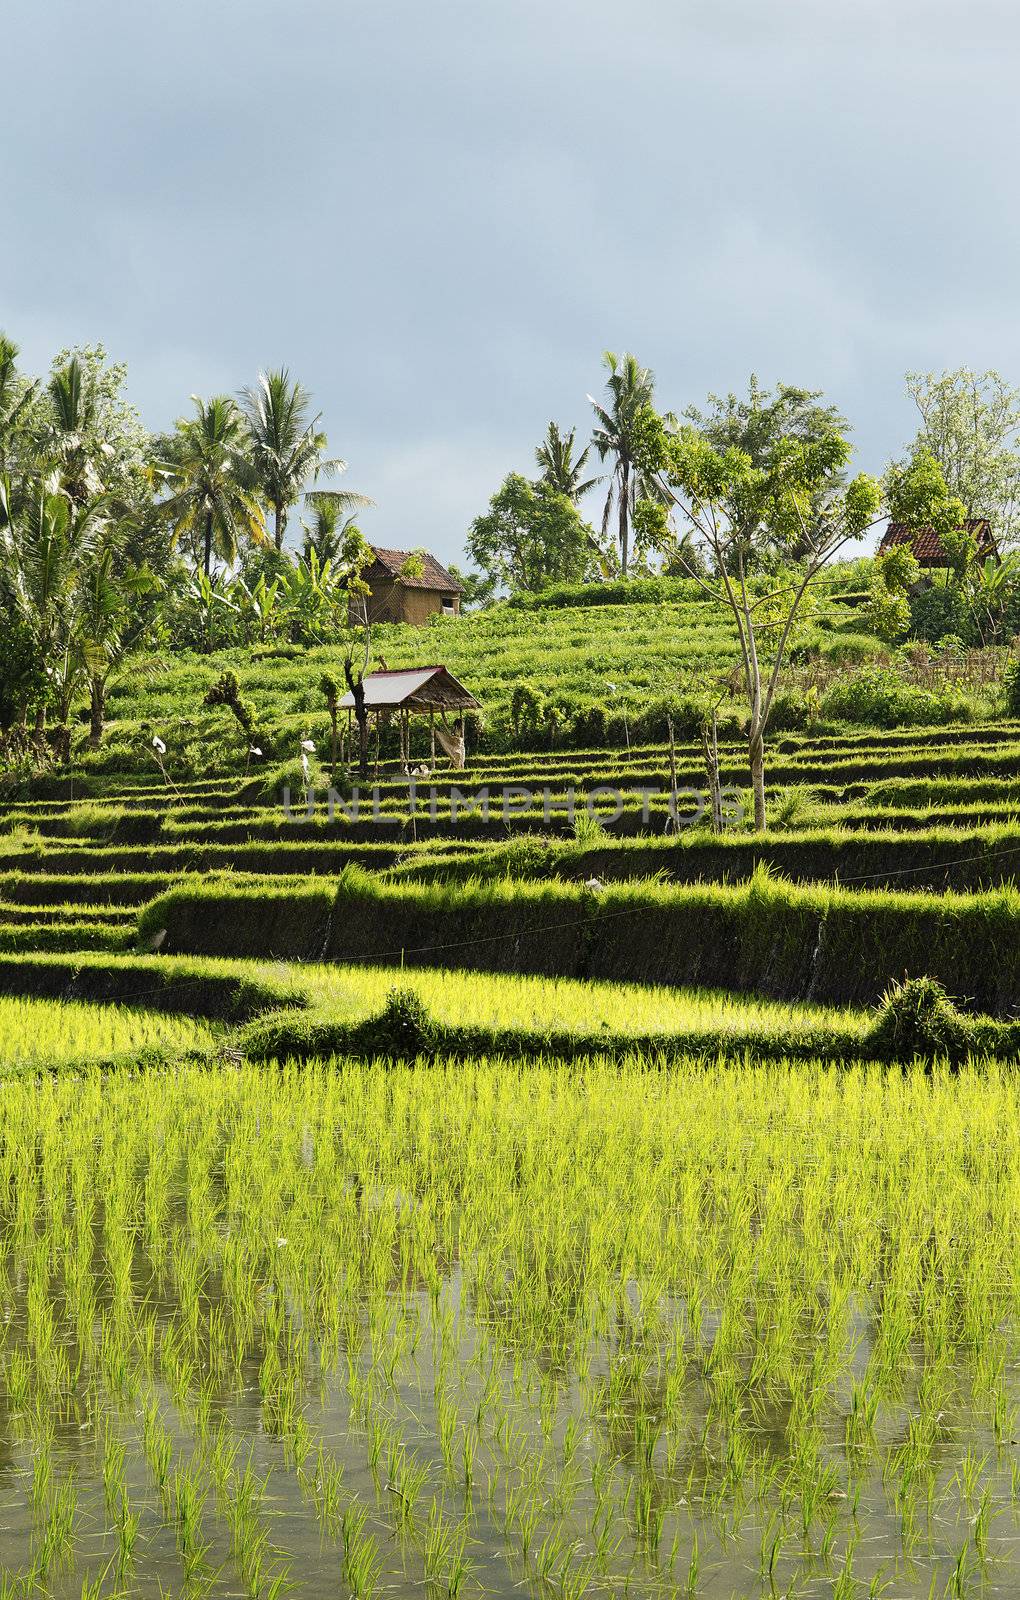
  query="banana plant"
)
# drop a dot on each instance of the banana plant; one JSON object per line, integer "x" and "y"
{"x": 213, "y": 596}
{"x": 46, "y": 546}
{"x": 260, "y": 609}
{"x": 313, "y": 598}
{"x": 990, "y": 587}
{"x": 108, "y": 628}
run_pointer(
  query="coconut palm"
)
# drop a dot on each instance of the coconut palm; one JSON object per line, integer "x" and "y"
{"x": 287, "y": 447}
{"x": 46, "y": 545}
{"x": 73, "y": 439}
{"x": 333, "y": 523}
{"x": 16, "y": 397}
{"x": 560, "y": 468}
{"x": 212, "y": 489}
{"x": 631, "y": 388}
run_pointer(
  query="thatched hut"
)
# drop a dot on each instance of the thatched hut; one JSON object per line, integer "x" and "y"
{"x": 428, "y": 692}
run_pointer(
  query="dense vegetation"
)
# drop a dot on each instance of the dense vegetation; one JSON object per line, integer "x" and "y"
{"x": 579, "y": 1188}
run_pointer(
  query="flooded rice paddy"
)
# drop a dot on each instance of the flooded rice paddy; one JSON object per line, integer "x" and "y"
{"x": 475, "y": 1329}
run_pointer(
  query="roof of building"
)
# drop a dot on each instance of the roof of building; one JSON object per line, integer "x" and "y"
{"x": 927, "y": 546}
{"x": 434, "y": 576}
{"x": 414, "y": 689}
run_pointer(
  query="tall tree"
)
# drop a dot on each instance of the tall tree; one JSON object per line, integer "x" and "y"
{"x": 531, "y": 536}
{"x": 49, "y": 544}
{"x": 559, "y": 466}
{"x": 332, "y": 522}
{"x": 970, "y": 422}
{"x": 17, "y": 395}
{"x": 287, "y": 445}
{"x": 89, "y": 430}
{"x": 73, "y": 440}
{"x": 631, "y": 388}
{"x": 735, "y": 508}
{"x": 212, "y": 498}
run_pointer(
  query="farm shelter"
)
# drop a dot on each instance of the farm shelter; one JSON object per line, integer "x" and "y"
{"x": 396, "y": 597}
{"x": 927, "y": 545}
{"x": 427, "y": 692}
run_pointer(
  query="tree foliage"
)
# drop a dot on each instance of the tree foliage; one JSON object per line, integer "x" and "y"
{"x": 531, "y": 536}
{"x": 739, "y": 508}
{"x": 970, "y": 425}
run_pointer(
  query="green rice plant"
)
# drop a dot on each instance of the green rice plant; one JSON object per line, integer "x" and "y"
{"x": 362, "y": 1562}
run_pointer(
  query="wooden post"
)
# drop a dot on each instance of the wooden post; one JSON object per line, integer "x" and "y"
{"x": 378, "y": 720}
{"x": 432, "y": 751}
{"x": 710, "y": 746}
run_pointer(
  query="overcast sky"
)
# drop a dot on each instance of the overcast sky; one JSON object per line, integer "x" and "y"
{"x": 439, "y": 213}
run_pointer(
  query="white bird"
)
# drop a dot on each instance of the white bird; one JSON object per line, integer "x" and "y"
{"x": 309, "y": 745}
{"x": 157, "y": 744}
{"x": 594, "y": 885}
{"x": 254, "y": 751}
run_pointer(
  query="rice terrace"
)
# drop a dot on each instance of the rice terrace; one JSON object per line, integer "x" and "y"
{"x": 510, "y": 800}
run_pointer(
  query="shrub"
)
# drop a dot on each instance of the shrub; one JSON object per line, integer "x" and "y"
{"x": 226, "y": 691}
{"x": 881, "y": 697}
{"x": 887, "y": 613}
{"x": 917, "y": 1018}
{"x": 1011, "y": 686}
{"x": 527, "y": 710}
{"x": 791, "y": 711}
{"x": 402, "y": 1030}
{"x": 590, "y": 727}
{"x": 850, "y": 649}
{"x": 942, "y": 610}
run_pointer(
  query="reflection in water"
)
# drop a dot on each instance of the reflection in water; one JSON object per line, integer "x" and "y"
{"x": 601, "y": 1331}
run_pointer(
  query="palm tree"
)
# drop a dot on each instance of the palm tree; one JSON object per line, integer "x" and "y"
{"x": 46, "y": 547}
{"x": 287, "y": 446}
{"x": 560, "y": 468}
{"x": 332, "y": 524}
{"x": 16, "y": 397}
{"x": 631, "y": 387}
{"x": 73, "y": 438}
{"x": 212, "y": 485}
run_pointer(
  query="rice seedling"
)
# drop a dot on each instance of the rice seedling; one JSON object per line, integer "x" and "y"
{"x": 597, "y": 1326}
{"x": 43, "y": 1033}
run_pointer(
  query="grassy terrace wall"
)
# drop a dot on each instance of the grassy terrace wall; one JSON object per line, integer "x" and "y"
{"x": 176, "y": 986}
{"x": 767, "y": 938}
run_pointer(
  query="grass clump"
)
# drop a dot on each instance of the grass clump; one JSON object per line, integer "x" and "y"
{"x": 917, "y": 1019}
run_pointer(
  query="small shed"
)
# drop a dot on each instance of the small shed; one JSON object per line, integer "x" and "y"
{"x": 427, "y": 692}
{"x": 927, "y": 546}
{"x": 395, "y": 596}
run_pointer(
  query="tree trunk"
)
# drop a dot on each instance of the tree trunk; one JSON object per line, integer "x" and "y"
{"x": 333, "y": 743}
{"x": 624, "y": 509}
{"x": 756, "y": 751}
{"x": 208, "y": 542}
{"x": 97, "y": 711}
{"x": 279, "y": 525}
{"x": 357, "y": 688}
{"x": 361, "y": 717}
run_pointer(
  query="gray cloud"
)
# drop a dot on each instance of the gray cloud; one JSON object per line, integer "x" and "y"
{"x": 440, "y": 215}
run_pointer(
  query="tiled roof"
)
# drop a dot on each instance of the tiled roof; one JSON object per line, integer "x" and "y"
{"x": 433, "y": 576}
{"x": 927, "y": 546}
